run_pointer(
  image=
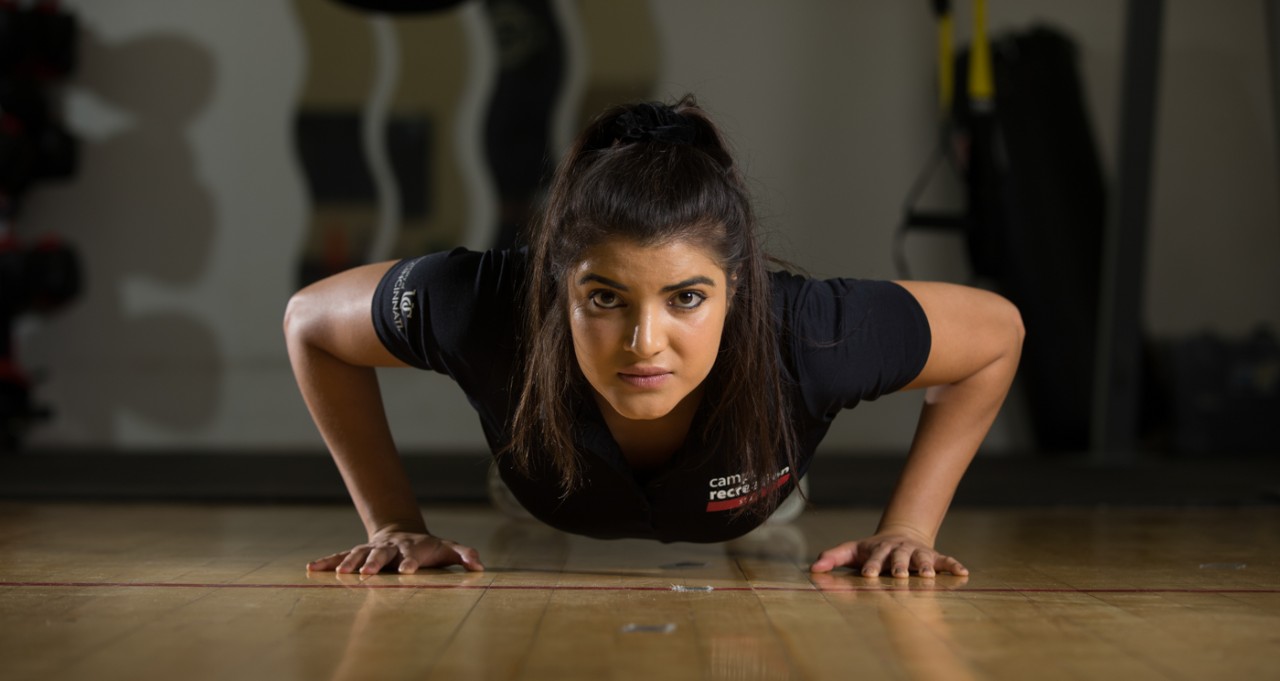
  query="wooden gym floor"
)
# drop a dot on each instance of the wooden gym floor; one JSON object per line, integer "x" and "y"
{"x": 205, "y": 591}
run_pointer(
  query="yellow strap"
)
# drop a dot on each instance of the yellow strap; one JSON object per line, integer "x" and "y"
{"x": 946, "y": 67}
{"x": 982, "y": 85}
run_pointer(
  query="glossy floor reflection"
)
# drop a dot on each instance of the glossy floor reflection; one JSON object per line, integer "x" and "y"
{"x": 219, "y": 592}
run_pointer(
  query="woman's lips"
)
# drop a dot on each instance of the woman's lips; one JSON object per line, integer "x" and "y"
{"x": 645, "y": 380}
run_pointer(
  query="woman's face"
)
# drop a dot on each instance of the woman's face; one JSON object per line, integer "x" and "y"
{"x": 646, "y": 323}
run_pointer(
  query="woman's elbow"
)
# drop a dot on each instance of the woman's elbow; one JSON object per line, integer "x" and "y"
{"x": 300, "y": 319}
{"x": 1015, "y": 331}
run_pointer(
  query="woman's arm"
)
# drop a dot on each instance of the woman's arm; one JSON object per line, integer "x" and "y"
{"x": 333, "y": 348}
{"x": 977, "y": 341}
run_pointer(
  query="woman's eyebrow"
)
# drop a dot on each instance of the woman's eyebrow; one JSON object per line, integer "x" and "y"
{"x": 705, "y": 281}
{"x": 588, "y": 278}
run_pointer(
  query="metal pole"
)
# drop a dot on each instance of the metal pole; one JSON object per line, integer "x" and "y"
{"x": 1273, "y": 49}
{"x": 1117, "y": 389}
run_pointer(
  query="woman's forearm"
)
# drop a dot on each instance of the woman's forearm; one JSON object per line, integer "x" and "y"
{"x": 953, "y": 422}
{"x": 346, "y": 404}
{"x": 333, "y": 349}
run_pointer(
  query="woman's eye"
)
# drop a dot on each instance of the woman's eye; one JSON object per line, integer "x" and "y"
{"x": 688, "y": 299}
{"x": 605, "y": 299}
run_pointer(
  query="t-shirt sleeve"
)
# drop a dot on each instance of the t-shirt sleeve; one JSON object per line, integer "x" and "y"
{"x": 848, "y": 340}
{"x": 449, "y": 312}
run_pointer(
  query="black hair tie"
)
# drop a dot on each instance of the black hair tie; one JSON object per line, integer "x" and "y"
{"x": 653, "y": 122}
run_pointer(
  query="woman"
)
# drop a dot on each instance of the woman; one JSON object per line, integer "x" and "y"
{"x": 638, "y": 371}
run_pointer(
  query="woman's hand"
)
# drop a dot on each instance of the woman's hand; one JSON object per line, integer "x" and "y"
{"x": 896, "y": 554}
{"x": 402, "y": 551}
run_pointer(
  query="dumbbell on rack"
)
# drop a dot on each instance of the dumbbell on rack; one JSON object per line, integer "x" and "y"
{"x": 37, "y": 49}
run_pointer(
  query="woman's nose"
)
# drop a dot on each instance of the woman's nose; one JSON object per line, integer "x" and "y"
{"x": 648, "y": 336}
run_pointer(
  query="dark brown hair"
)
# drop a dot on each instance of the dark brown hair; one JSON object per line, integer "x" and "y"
{"x": 653, "y": 174}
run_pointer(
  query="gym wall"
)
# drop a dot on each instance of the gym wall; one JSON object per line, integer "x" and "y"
{"x": 192, "y": 209}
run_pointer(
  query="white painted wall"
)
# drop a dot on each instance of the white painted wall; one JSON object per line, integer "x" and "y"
{"x": 190, "y": 206}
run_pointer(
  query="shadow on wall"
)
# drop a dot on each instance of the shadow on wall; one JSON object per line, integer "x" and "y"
{"x": 144, "y": 223}
{"x": 412, "y": 125}
{"x": 377, "y": 129}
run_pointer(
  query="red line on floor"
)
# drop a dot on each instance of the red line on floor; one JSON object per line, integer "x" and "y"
{"x": 571, "y": 587}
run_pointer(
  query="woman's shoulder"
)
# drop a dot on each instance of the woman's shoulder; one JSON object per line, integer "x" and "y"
{"x": 461, "y": 260}
{"x": 449, "y": 303}
{"x": 848, "y": 339}
{"x": 797, "y": 290}
{"x": 468, "y": 272}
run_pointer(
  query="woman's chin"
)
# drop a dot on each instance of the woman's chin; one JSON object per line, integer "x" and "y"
{"x": 644, "y": 414}
{"x": 642, "y": 410}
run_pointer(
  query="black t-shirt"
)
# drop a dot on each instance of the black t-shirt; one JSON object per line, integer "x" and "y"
{"x": 841, "y": 341}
